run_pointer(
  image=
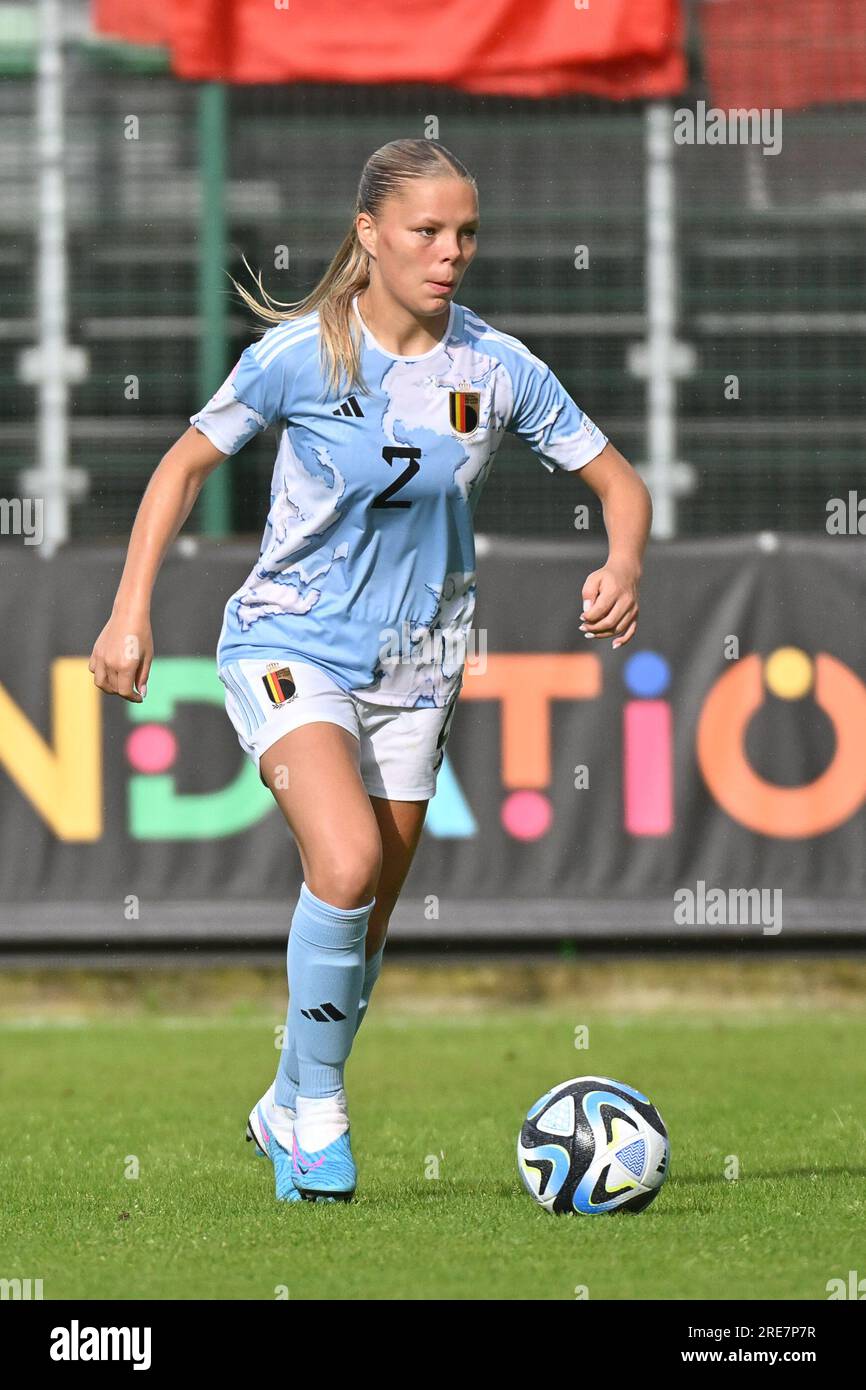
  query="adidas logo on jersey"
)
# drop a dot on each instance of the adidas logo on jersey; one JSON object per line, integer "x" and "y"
{"x": 349, "y": 407}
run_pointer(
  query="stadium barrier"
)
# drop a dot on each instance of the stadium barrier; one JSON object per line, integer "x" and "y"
{"x": 707, "y": 780}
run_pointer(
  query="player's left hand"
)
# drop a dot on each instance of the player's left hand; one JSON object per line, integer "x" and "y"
{"x": 610, "y": 605}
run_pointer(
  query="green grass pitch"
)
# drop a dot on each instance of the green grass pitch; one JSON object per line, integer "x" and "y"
{"x": 164, "y": 1092}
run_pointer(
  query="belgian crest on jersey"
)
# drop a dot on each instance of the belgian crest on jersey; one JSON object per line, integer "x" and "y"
{"x": 279, "y": 684}
{"x": 464, "y": 408}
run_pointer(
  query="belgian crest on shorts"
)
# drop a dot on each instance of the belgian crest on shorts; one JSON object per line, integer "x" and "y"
{"x": 464, "y": 408}
{"x": 279, "y": 684}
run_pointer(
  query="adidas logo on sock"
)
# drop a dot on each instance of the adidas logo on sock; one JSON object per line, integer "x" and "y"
{"x": 349, "y": 407}
{"x": 325, "y": 1013}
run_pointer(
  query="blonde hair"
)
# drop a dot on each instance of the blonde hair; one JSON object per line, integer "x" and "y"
{"x": 349, "y": 272}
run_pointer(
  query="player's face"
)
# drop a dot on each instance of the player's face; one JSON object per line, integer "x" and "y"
{"x": 424, "y": 242}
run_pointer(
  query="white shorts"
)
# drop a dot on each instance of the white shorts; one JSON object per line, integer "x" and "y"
{"x": 400, "y": 751}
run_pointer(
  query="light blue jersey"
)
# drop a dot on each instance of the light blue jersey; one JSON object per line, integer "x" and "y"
{"x": 367, "y": 564}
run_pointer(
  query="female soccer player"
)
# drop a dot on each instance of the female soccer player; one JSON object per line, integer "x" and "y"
{"x": 343, "y": 652}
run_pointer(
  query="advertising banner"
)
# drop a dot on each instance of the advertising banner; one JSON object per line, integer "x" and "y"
{"x": 721, "y": 753}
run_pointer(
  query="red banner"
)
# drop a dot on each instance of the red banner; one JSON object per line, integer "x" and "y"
{"x": 784, "y": 53}
{"x": 612, "y": 48}
{"x": 135, "y": 21}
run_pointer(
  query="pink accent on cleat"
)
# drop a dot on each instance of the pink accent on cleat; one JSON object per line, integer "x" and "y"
{"x": 296, "y": 1155}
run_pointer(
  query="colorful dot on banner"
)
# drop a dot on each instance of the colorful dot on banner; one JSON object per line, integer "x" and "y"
{"x": 789, "y": 673}
{"x": 646, "y": 674}
{"x": 151, "y": 748}
{"x": 527, "y": 815}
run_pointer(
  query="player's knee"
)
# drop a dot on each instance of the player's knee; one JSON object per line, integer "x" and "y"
{"x": 350, "y": 880}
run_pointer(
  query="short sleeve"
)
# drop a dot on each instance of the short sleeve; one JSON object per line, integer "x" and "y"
{"x": 551, "y": 423}
{"x": 251, "y": 398}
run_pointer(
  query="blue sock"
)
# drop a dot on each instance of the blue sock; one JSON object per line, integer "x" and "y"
{"x": 286, "y": 1092}
{"x": 325, "y": 961}
{"x": 371, "y": 975}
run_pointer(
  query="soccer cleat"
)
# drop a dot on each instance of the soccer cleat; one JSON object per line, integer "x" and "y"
{"x": 329, "y": 1175}
{"x": 268, "y": 1146}
{"x": 258, "y": 1130}
{"x": 284, "y": 1183}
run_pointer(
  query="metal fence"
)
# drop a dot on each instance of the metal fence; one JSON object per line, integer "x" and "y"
{"x": 768, "y": 277}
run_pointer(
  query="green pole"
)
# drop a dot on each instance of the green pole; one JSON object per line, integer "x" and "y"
{"x": 212, "y": 304}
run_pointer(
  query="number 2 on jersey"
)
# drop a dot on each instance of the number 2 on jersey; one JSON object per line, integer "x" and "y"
{"x": 390, "y": 453}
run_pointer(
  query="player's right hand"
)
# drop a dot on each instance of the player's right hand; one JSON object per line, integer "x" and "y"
{"x": 121, "y": 657}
